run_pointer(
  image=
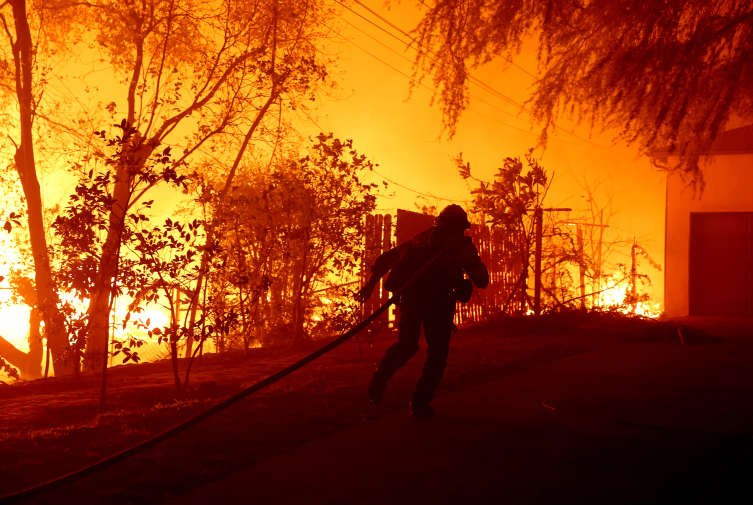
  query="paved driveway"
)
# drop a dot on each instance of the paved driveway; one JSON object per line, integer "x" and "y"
{"x": 630, "y": 423}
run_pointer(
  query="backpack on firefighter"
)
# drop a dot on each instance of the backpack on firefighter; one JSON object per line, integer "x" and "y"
{"x": 435, "y": 279}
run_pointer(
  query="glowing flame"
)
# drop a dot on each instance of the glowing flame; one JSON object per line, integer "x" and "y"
{"x": 14, "y": 322}
{"x": 615, "y": 293}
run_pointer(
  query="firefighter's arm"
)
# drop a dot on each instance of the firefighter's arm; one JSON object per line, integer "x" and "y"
{"x": 382, "y": 265}
{"x": 364, "y": 293}
{"x": 472, "y": 264}
{"x": 479, "y": 275}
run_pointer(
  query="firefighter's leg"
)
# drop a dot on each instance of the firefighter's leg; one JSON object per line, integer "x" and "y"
{"x": 397, "y": 355}
{"x": 437, "y": 330}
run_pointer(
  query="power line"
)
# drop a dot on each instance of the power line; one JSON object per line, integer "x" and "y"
{"x": 431, "y": 89}
{"x": 473, "y": 79}
{"x": 408, "y": 60}
{"x": 428, "y": 195}
{"x": 470, "y": 77}
{"x": 407, "y": 35}
{"x": 427, "y": 87}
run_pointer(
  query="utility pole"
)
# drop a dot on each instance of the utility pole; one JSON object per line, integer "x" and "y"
{"x": 582, "y": 268}
{"x": 538, "y": 215}
{"x": 633, "y": 275}
{"x": 598, "y": 258}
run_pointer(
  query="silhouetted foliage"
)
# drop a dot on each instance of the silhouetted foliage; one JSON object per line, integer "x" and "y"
{"x": 210, "y": 71}
{"x": 662, "y": 73}
{"x": 509, "y": 202}
{"x": 287, "y": 233}
{"x": 83, "y": 229}
{"x": 219, "y": 77}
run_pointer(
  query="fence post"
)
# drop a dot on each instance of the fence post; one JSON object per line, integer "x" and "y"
{"x": 633, "y": 275}
{"x": 368, "y": 260}
{"x": 386, "y": 246}
{"x": 539, "y": 218}
{"x": 581, "y": 263}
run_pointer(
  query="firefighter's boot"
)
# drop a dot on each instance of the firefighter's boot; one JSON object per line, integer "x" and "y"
{"x": 376, "y": 387}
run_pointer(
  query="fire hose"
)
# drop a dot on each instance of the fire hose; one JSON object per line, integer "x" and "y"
{"x": 125, "y": 454}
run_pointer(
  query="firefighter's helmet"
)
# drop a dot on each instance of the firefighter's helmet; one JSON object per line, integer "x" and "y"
{"x": 452, "y": 216}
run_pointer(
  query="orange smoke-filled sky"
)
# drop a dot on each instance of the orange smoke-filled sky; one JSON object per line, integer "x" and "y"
{"x": 401, "y": 134}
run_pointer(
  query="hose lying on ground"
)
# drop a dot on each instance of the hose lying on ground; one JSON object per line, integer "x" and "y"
{"x": 92, "y": 469}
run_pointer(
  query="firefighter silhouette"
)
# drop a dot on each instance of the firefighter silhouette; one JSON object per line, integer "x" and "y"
{"x": 428, "y": 300}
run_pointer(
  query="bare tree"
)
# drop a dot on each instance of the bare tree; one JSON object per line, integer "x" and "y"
{"x": 211, "y": 69}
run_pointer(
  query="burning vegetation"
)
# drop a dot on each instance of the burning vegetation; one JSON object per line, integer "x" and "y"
{"x": 271, "y": 262}
{"x": 265, "y": 228}
{"x": 164, "y": 199}
{"x": 562, "y": 253}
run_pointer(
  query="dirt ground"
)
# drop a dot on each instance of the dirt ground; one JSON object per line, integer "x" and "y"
{"x": 49, "y": 427}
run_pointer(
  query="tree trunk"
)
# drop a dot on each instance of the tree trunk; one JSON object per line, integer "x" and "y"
{"x": 98, "y": 322}
{"x": 298, "y": 305}
{"x": 597, "y": 298}
{"x": 12, "y": 355}
{"x": 99, "y": 305}
{"x": 25, "y": 165}
{"x": 174, "y": 360}
{"x": 36, "y": 347}
{"x": 298, "y": 321}
{"x": 244, "y": 321}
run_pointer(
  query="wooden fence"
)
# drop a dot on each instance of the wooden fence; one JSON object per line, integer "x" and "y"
{"x": 496, "y": 251}
{"x": 379, "y": 239}
{"x": 505, "y": 265}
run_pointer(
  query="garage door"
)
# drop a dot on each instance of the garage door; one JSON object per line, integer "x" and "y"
{"x": 720, "y": 264}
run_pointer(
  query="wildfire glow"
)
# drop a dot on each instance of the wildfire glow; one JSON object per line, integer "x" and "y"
{"x": 615, "y": 293}
{"x": 14, "y": 322}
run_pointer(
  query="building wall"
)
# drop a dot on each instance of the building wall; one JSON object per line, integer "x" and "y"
{"x": 729, "y": 188}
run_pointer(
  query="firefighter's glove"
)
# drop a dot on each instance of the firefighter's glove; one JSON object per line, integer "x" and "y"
{"x": 364, "y": 293}
{"x": 463, "y": 291}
